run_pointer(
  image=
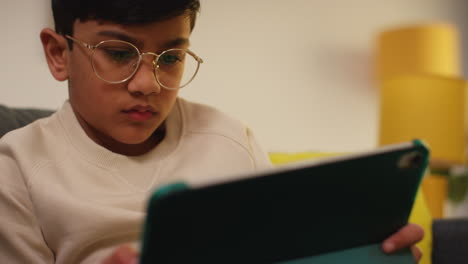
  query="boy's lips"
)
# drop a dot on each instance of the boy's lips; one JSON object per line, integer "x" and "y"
{"x": 140, "y": 113}
{"x": 141, "y": 108}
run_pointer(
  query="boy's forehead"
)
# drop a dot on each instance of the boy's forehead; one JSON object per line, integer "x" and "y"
{"x": 153, "y": 32}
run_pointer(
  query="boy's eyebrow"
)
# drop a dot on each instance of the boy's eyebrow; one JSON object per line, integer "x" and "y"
{"x": 121, "y": 36}
{"x": 176, "y": 42}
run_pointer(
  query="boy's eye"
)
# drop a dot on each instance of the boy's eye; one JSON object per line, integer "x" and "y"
{"x": 170, "y": 58}
{"x": 121, "y": 55}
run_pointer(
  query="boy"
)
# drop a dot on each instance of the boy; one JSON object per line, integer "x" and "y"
{"x": 74, "y": 185}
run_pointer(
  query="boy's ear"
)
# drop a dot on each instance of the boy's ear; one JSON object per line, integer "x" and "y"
{"x": 56, "y": 52}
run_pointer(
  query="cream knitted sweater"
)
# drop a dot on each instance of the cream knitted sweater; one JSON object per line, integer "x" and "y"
{"x": 65, "y": 199}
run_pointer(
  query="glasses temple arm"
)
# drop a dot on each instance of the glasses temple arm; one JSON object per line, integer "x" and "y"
{"x": 86, "y": 45}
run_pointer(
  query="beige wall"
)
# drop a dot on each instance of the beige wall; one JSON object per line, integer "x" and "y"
{"x": 298, "y": 71}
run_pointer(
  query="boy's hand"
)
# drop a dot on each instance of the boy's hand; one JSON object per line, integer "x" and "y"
{"x": 122, "y": 255}
{"x": 406, "y": 237}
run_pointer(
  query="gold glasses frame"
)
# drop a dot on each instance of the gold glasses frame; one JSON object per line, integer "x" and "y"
{"x": 140, "y": 58}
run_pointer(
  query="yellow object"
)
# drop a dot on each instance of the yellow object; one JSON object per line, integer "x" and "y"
{"x": 426, "y": 107}
{"x": 419, "y": 215}
{"x": 425, "y": 49}
{"x": 435, "y": 189}
{"x": 280, "y": 158}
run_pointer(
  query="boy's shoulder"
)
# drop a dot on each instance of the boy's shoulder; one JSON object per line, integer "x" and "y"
{"x": 14, "y": 117}
{"x": 36, "y": 138}
{"x": 201, "y": 118}
{"x": 32, "y": 131}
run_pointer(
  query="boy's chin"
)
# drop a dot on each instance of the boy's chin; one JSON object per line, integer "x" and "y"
{"x": 134, "y": 140}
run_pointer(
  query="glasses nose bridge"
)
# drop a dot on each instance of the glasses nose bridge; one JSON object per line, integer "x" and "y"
{"x": 155, "y": 55}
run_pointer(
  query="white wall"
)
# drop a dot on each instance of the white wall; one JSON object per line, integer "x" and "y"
{"x": 299, "y": 72}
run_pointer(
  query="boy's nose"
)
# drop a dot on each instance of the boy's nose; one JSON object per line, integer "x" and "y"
{"x": 144, "y": 81}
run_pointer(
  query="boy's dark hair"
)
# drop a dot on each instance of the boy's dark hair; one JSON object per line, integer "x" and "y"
{"x": 125, "y": 12}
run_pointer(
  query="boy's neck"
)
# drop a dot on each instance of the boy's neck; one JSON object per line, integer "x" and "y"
{"x": 138, "y": 149}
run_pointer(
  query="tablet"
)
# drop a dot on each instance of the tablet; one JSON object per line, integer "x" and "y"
{"x": 287, "y": 214}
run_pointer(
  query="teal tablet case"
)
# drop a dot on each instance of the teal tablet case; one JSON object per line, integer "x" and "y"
{"x": 371, "y": 254}
{"x": 335, "y": 212}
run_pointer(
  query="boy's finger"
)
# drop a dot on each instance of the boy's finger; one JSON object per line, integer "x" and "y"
{"x": 405, "y": 237}
{"x": 122, "y": 255}
{"x": 417, "y": 253}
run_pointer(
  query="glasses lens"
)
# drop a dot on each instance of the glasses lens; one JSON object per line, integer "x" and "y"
{"x": 115, "y": 61}
{"x": 176, "y": 68}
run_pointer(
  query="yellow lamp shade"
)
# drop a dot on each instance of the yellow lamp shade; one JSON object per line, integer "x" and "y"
{"x": 430, "y": 108}
{"x": 426, "y": 49}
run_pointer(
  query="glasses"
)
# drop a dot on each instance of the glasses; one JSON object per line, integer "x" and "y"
{"x": 116, "y": 61}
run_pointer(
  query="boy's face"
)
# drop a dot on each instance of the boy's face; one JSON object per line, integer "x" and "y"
{"x": 115, "y": 115}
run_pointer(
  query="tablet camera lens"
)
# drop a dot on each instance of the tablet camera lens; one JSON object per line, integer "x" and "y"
{"x": 412, "y": 160}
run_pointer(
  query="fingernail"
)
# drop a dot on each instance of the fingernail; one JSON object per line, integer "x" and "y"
{"x": 388, "y": 247}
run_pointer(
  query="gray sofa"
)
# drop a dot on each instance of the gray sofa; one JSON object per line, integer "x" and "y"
{"x": 450, "y": 236}
{"x": 450, "y": 241}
